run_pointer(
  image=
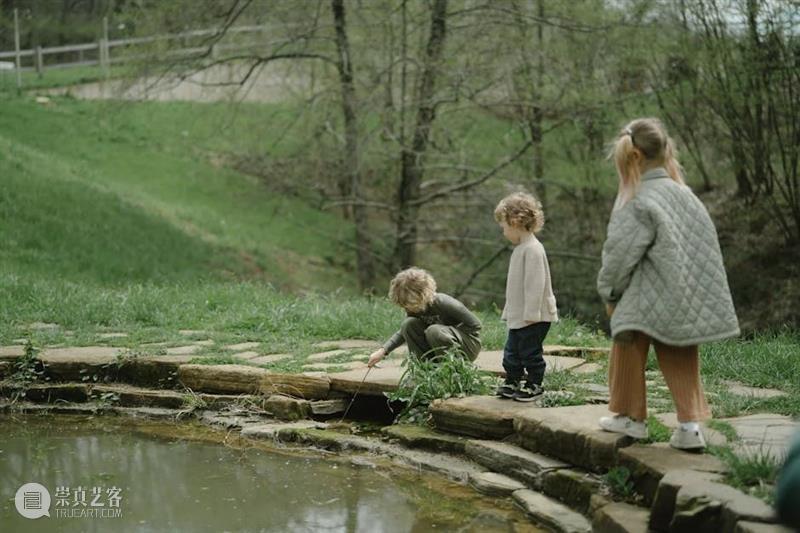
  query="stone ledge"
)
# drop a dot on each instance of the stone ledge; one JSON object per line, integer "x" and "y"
{"x": 713, "y": 506}
{"x": 305, "y": 386}
{"x": 483, "y": 417}
{"x": 494, "y": 484}
{"x": 512, "y": 460}
{"x": 221, "y": 378}
{"x": 572, "y": 487}
{"x": 552, "y": 514}
{"x": 413, "y": 436}
{"x": 621, "y": 518}
{"x": 570, "y": 434}
{"x": 649, "y": 463}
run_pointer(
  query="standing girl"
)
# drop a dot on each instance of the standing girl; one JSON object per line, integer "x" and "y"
{"x": 663, "y": 282}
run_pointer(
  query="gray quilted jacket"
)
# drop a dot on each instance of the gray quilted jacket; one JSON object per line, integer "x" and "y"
{"x": 662, "y": 267}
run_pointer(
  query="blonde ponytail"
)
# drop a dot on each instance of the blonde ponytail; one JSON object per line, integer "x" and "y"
{"x": 671, "y": 165}
{"x": 648, "y": 138}
{"x": 627, "y": 168}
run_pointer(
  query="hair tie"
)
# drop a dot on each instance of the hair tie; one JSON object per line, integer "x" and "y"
{"x": 628, "y": 131}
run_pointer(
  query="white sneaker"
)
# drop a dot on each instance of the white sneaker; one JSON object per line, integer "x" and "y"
{"x": 687, "y": 439}
{"x": 625, "y": 425}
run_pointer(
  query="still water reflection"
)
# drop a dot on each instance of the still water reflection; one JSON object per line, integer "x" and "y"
{"x": 178, "y": 478}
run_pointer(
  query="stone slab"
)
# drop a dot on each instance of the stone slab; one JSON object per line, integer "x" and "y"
{"x": 322, "y": 356}
{"x": 303, "y": 386}
{"x": 242, "y": 346}
{"x": 734, "y": 387}
{"x": 184, "y": 350}
{"x": 570, "y": 434}
{"x": 286, "y": 408}
{"x": 270, "y": 430}
{"x": 269, "y": 359}
{"x": 663, "y": 506}
{"x": 129, "y": 396}
{"x": 621, "y": 517}
{"x": 414, "y": 436}
{"x": 206, "y": 342}
{"x": 483, "y": 417}
{"x": 350, "y": 365}
{"x": 245, "y": 356}
{"x": 512, "y": 460}
{"x": 494, "y": 484}
{"x": 47, "y": 392}
{"x": 572, "y": 486}
{"x": 347, "y": 344}
{"x": 81, "y": 363}
{"x": 550, "y": 513}
{"x": 707, "y": 506}
{"x": 589, "y": 353}
{"x": 648, "y": 463}
{"x": 159, "y": 371}
{"x": 112, "y": 335}
{"x": 11, "y": 353}
{"x": 378, "y": 381}
{"x": 329, "y": 407}
{"x": 492, "y": 361}
{"x": 763, "y": 433}
{"x": 221, "y": 378}
{"x": 587, "y": 368}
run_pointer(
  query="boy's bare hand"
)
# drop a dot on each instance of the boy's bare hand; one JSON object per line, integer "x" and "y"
{"x": 376, "y": 357}
{"x": 609, "y": 310}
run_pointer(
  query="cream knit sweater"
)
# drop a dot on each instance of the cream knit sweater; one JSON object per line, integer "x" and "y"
{"x": 529, "y": 292}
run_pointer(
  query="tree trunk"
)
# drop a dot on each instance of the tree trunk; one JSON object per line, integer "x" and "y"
{"x": 536, "y": 121}
{"x": 351, "y": 173}
{"x": 411, "y": 161}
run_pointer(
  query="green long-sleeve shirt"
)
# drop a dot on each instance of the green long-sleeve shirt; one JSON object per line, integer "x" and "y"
{"x": 444, "y": 310}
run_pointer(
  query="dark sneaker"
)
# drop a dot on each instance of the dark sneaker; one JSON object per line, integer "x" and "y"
{"x": 507, "y": 390}
{"x": 528, "y": 392}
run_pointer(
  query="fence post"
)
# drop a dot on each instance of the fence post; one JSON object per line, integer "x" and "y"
{"x": 16, "y": 49}
{"x": 39, "y": 60}
{"x": 104, "y": 52}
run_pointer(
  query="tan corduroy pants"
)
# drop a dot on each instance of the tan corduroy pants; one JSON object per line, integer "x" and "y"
{"x": 680, "y": 366}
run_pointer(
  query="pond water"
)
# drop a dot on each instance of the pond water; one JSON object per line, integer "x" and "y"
{"x": 106, "y": 473}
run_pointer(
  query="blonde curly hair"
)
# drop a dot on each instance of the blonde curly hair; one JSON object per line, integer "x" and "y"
{"x": 413, "y": 289}
{"x": 521, "y": 210}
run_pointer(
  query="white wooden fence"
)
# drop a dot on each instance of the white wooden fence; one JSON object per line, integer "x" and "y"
{"x": 101, "y": 53}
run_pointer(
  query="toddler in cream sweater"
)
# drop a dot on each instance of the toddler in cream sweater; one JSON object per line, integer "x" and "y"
{"x": 530, "y": 305}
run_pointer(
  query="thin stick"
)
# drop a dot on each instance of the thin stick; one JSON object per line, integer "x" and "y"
{"x": 356, "y": 394}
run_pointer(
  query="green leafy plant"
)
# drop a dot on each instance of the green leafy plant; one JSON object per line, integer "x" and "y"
{"x": 619, "y": 480}
{"x": 107, "y": 398}
{"x": 192, "y": 401}
{"x": 27, "y": 370}
{"x": 425, "y": 380}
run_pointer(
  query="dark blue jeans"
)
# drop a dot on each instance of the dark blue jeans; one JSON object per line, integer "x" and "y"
{"x": 524, "y": 353}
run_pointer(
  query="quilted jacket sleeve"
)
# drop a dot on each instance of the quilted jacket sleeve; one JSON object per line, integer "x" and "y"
{"x": 631, "y": 231}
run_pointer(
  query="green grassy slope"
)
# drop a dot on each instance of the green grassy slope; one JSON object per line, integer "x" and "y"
{"x": 119, "y": 193}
